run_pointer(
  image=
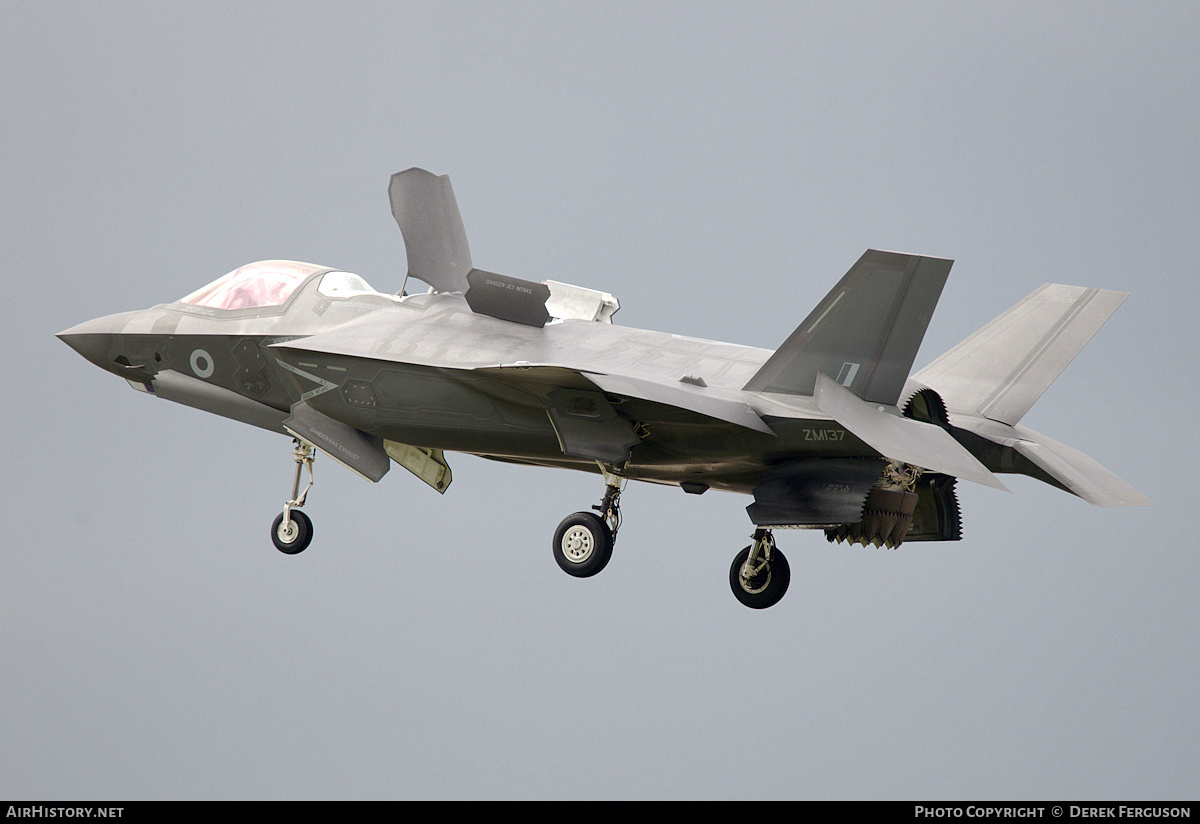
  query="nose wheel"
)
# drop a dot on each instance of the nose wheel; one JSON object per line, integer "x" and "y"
{"x": 292, "y": 530}
{"x": 293, "y": 536}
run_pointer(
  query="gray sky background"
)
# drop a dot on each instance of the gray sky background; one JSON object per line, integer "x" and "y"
{"x": 717, "y": 166}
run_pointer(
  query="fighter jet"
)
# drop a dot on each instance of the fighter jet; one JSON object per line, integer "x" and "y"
{"x": 828, "y": 432}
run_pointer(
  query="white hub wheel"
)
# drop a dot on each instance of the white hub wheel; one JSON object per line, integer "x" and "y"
{"x": 287, "y": 531}
{"x": 582, "y": 545}
{"x": 578, "y": 544}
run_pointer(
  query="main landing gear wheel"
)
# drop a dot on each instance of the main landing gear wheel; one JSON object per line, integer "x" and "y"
{"x": 583, "y": 544}
{"x": 760, "y": 574}
{"x": 294, "y": 536}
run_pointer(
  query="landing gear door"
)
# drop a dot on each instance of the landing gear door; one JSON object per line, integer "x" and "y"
{"x": 352, "y": 448}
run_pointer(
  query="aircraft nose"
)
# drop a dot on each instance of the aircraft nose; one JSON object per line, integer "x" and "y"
{"x": 91, "y": 347}
{"x": 94, "y": 339}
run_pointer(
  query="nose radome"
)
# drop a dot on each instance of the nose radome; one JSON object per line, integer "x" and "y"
{"x": 93, "y": 339}
{"x": 92, "y": 347}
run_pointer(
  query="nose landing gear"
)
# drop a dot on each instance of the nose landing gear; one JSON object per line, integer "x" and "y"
{"x": 292, "y": 530}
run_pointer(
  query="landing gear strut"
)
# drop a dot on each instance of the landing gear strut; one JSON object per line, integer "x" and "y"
{"x": 292, "y": 530}
{"x": 583, "y": 542}
{"x": 760, "y": 574}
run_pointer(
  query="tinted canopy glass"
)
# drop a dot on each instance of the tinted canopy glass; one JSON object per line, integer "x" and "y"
{"x": 261, "y": 284}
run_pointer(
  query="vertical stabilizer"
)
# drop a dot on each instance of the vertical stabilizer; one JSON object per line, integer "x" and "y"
{"x": 865, "y": 333}
{"x": 1002, "y": 369}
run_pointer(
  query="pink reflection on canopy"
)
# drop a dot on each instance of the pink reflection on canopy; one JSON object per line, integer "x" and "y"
{"x": 261, "y": 284}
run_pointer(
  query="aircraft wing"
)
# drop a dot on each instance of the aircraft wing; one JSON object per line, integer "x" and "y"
{"x": 712, "y": 404}
{"x": 630, "y": 363}
{"x": 696, "y": 400}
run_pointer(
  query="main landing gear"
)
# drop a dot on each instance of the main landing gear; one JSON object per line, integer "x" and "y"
{"x": 583, "y": 545}
{"x": 583, "y": 542}
{"x": 760, "y": 574}
{"x": 292, "y": 531}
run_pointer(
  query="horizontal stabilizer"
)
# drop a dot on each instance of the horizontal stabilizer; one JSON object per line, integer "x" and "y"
{"x": 1077, "y": 472}
{"x": 352, "y": 448}
{"x": 902, "y": 439}
{"x": 1002, "y": 369}
{"x": 434, "y": 237}
{"x": 865, "y": 332}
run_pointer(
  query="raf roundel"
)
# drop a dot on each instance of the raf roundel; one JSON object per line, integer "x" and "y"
{"x": 202, "y": 364}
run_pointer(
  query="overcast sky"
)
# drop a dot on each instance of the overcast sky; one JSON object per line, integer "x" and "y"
{"x": 717, "y": 167}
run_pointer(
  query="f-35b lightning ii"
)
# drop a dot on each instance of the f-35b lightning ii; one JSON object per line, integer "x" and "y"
{"x": 828, "y": 432}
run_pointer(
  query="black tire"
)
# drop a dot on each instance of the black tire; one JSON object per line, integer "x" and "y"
{"x": 583, "y": 544}
{"x": 300, "y": 535}
{"x": 765, "y": 589}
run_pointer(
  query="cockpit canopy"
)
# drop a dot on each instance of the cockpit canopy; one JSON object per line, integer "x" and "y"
{"x": 269, "y": 283}
{"x": 266, "y": 283}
